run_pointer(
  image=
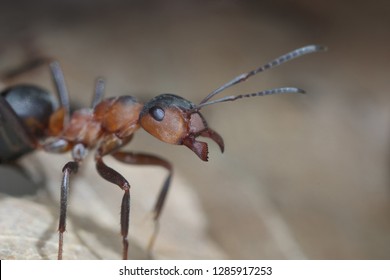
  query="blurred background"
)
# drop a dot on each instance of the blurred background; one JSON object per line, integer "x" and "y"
{"x": 302, "y": 176}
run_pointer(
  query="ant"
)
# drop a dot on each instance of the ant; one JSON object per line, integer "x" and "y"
{"x": 30, "y": 119}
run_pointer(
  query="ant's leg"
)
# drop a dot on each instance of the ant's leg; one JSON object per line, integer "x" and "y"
{"x": 114, "y": 177}
{"x": 15, "y": 139}
{"x": 147, "y": 159}
{"x": 57, "y": 75}
{"x": 62, "y": 91}
{"x": 69, "y": 168}
{"x": 56, "y": 72}
{"x": 26, "y": 67}
{"x": 98, "y": 93}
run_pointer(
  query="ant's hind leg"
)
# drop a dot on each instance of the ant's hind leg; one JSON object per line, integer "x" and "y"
{"x": 56, "y": 73}
{"x": 27, "y": 67}
{"x": 15, "y": 138}
{"x": 147, "y": 159}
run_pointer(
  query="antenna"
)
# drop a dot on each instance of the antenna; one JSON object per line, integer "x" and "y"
{"x": 272, "y": 64}
{"x": 260, "y": 93}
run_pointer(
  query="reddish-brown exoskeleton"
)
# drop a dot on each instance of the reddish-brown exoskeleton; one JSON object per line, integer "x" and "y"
{"x": 109, "y": 124}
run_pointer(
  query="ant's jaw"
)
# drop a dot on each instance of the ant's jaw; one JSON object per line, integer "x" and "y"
{"x": 213, "y": 135}
{"x": 201, "y": 148}
{"x": 198, "y": 127}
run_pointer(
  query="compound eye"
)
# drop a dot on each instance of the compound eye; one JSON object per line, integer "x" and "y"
{"x": 157, "y": 113}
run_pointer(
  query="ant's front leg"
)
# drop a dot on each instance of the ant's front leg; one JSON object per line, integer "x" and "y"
{"x": 147, "y": 159}
{"x": 114, "y": 177}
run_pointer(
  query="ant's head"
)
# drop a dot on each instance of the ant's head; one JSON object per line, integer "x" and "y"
{"x": 175, "y": 120}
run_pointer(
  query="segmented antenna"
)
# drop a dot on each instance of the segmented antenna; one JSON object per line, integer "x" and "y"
{"x": 243, "y": 77}
{"x": 260, "y": 93}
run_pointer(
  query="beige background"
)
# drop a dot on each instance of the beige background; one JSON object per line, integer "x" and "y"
{"x": 303, "y": 176}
